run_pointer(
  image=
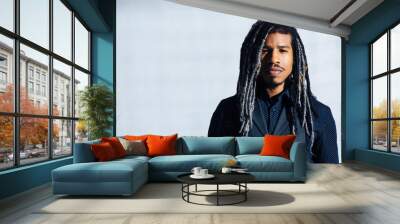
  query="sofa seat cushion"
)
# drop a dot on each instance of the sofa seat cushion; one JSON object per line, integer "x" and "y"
{"x": 199, "y": 145}
{"x": 257, "y": 163}
{"x": 133, "y": 158}
{"x": 249, "y": 145}
{"x": 112, "y": 171}
{"x": 185, "y": 163}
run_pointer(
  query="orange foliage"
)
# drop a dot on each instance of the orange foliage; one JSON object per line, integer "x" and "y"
{"x": 33, "y": 130}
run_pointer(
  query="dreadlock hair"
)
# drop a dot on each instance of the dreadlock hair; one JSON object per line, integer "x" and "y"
{"x": 297, "y": 83}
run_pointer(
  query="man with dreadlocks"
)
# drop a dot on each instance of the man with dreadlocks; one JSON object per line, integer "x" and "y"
{"x": 273, "y": 94}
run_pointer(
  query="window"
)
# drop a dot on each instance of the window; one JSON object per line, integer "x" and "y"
{"x": 62, "y": 75}
{"x": 30, "y": 87}
{"x": 385, "y": 94}
{"x": 30, "y": 72}
{"x": 3, "y": 61}
{"x": 62, "y": 29}
{"x": 7, "y": 14}
{"x": 3, "y": 78}
{"x": 6, "y": 142}
{"x": 44, "y": 131}
{"x": 37, "y": 89}
{"x": 81, "y": 81}
{"x": 43, "y": 77}
{"x": 33, "y": 149}
{"x": 43, "y": 90}
{"x": 81, "y": 45}
{"x": 62, "y": 137}
{"x": 3, "y": 72}
{"x": 37, "y": 75}
{"x": 35, "y": 21}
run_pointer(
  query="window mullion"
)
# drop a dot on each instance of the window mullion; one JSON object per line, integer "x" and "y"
{"x": 73, "y": 81}
{"x": 371, "y": 140}
{"x": 389, "y": 106}
{"x": 50, "y": 81}
{"x": 16, "y": 83}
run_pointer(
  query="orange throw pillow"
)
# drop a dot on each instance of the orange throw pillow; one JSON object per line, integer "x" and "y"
{"x": 116, "y": 145}
{"x": 103, "y": 151}
{"x": 161, "y": 145}
{"x": 136, "y": 137}
{"x": 277, "y": 145}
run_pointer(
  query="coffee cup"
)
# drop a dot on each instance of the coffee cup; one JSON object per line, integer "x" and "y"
{"x": 196, "y": 171}
{"x": 203, "y": 172}
{"x": 226, "y": 170}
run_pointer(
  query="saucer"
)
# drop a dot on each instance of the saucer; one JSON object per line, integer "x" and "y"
{"x": 208, "y": 176}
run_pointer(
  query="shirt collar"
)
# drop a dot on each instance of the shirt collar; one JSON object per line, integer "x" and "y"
{"x": 283, "y": 96}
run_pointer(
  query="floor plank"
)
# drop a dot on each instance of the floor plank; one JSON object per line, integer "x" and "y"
{"x": 377, "y": 188}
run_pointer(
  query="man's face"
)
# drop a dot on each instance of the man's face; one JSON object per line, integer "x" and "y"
{"x": 276, "y": 59}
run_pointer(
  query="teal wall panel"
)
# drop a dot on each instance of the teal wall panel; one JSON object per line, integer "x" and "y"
{"x": 377, "y": 158}
{"x": 102, "y": 59}
{"x": 24, "y": 178}
{"x": 103, "y": 63}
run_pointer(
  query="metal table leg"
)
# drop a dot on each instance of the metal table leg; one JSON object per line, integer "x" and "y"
{"x": 217, "y": 194}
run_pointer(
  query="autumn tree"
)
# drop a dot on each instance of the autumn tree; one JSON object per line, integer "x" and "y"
{"x": 6, "y": 122}
{"x": 33, "y": 131}
{"x": 380, "y": 127}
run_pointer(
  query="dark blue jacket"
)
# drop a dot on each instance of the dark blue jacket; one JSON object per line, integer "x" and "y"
{"x": 225, "y": 122}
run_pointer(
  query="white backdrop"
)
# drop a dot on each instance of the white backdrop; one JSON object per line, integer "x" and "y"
{"x": 175, "y": 63}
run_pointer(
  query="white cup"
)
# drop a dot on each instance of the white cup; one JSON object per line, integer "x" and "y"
{"x": 226, "y": 170}
{"x": 203, "y": 172}
{"x": 196, "y": 171}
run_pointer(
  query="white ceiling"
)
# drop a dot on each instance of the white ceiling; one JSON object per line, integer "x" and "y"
{"x": 325, "y": 16}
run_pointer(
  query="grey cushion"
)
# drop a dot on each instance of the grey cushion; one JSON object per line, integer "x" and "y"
{"x": 135, "y": 147}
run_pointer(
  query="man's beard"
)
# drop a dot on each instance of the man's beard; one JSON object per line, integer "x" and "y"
{"x": 268, "y": 82}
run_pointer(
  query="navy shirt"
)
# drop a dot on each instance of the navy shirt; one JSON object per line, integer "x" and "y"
{"x": 273, "y": 108}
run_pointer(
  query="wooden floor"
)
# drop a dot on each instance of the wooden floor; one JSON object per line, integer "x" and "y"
{"x": 378, "y": 188}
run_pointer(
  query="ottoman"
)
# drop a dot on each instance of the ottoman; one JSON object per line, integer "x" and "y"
{"x": 118, "y": 177}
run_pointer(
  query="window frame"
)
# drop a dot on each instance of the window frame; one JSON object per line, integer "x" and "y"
{"x": 15, "y": 72}
{"x": 388, "y": 74}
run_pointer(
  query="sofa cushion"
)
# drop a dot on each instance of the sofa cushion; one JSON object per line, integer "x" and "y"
{"x": 133, "y": 158}
{"x": 103, "y": 152}
{"x": 207, "y": 145}
{"x": 249, "y": 145}
{"x": 257, "y": 163}
{"x": 116, "y": 145}
{"x": 134, "y": 147}
{"x": 136, "y": 137}
{"x": 277, "y": 145}
{"x": 83, "y": 152}
{"x": 185, "y": 163}
{"x": 159, "y": 145}
{"x": 111, "y": 171}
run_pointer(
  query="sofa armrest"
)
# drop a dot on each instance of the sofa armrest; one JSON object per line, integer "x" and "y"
{"x": 83, "y": 152}
{"x": 299, "y": 158}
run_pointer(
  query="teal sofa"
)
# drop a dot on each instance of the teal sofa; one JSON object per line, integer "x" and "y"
{"x": 125, "y": 176}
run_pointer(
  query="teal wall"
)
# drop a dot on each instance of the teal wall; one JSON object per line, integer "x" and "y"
{"x": 103, "y": 63}
{"x": 357, "y": 85}
{"x": 103, "y": 51}
{"x": 102, "y": 58}
{"x": 99, "y": 16}
{"x": 24, "y": 178}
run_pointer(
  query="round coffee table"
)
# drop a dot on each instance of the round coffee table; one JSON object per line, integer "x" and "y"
{"x": 238, "y": 179}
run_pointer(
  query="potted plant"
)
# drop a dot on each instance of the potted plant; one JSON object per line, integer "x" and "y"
{"x": 96, "y": 102}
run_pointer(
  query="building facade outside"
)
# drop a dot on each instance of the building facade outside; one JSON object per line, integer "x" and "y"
{"x": 34, "y": 100}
